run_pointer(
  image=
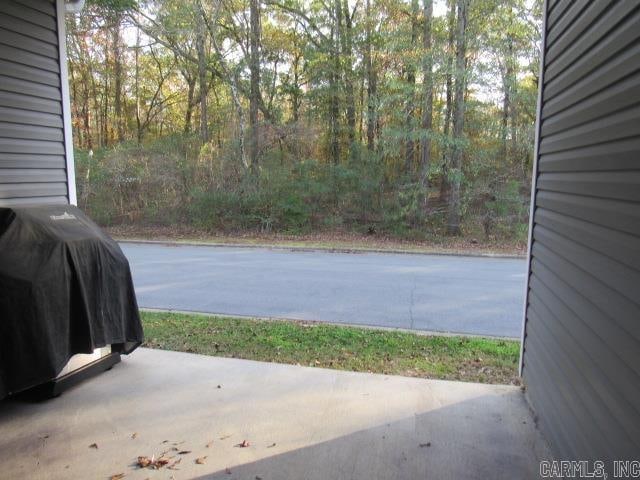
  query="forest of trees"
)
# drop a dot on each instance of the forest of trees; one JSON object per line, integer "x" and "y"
{"x": 404, "y": 117}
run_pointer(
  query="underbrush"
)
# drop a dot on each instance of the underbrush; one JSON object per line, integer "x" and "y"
{"x": 176, "y": 181}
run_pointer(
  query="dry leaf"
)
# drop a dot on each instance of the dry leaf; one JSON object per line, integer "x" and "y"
{"x": 146, "y": 462}
{"x": 184, "y": 452}
{"x": 224, "y": 437}
{"x": 94, "y": 445}
{"x": 117, "y": 476}
{"x": 134, "y": 434}
{"x": 173, "y": 465}
{"x": 201, "y": 460}
{"x": 209, "y": 444}
{"x": 272, "y": 445}
{"x": 244, "y": 444}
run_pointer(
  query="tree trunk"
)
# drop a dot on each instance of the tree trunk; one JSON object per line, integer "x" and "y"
{"x": 241, "y": 124}
{"x": 371, "y": 83}
{"x": 508, "y": 81}
{"x": 334, "y": 77}
{"x": 347, "y": 52}
{"x": 427, "y": 109}
{"x": 295, "y": 94}
{"x": 254, "y": 67}
{"x": 202, "y": 80}
{"x": 137, "y": 86}
{"x": 444, "y": 183}
{"x": 117, "y": 73}
{"x": 453, "y": 227}
{"x": 410, "y": 144}
{"x": 191, "y": 88}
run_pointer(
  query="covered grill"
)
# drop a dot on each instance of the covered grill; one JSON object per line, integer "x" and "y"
{"x": 65, "y": 289}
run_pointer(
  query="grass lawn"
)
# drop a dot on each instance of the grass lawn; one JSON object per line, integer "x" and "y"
{"x": 330, "y": 346}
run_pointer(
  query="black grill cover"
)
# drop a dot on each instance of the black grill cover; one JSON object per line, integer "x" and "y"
{"x": 65, "y": 288}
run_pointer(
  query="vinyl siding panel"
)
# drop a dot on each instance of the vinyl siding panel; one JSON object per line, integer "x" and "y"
{"x": 32, "y": 153}
{"x": 581, "y": 352}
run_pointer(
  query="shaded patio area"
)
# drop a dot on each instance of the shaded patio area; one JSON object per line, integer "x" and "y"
{"x": 299, "y": 423}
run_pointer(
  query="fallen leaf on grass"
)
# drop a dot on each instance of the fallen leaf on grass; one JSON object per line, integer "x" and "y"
{"x": 201, "y": 460}
{"x": 243, "y": 444}
{"x": 94, "y": 445}
{"x": 117, "y": 476}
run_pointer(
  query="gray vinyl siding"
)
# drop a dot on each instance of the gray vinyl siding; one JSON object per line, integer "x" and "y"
{"x": 581, "y": 353}
{"x": 32, "y": 153}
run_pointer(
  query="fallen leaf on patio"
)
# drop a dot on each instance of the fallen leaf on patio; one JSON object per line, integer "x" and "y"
{"x": 201, "y": 460}
{"x": 428, "y": 444}
{"x": 144, "y": 462}
{"x": 173, "y": 465}
{"x": 272, "y": 445}
{"x": 94, "y": 445}
{"x": 184, "y": 452}
{"x": 161, "y": 462}
{"x": 134, "y": 434}
{"x": 224, "y": 437}
{"x": 117, "y": 476}
{"x": 243, "y": 444}
{"x": 209, "y": 444}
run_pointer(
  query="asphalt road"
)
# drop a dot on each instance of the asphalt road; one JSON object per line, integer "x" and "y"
{"x": 473, "y": 295}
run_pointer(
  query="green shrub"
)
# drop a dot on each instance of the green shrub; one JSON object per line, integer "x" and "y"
{"x": 176, "y": 180}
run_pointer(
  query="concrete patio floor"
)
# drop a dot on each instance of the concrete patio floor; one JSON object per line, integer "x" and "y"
{"x": 300, "y": 422}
